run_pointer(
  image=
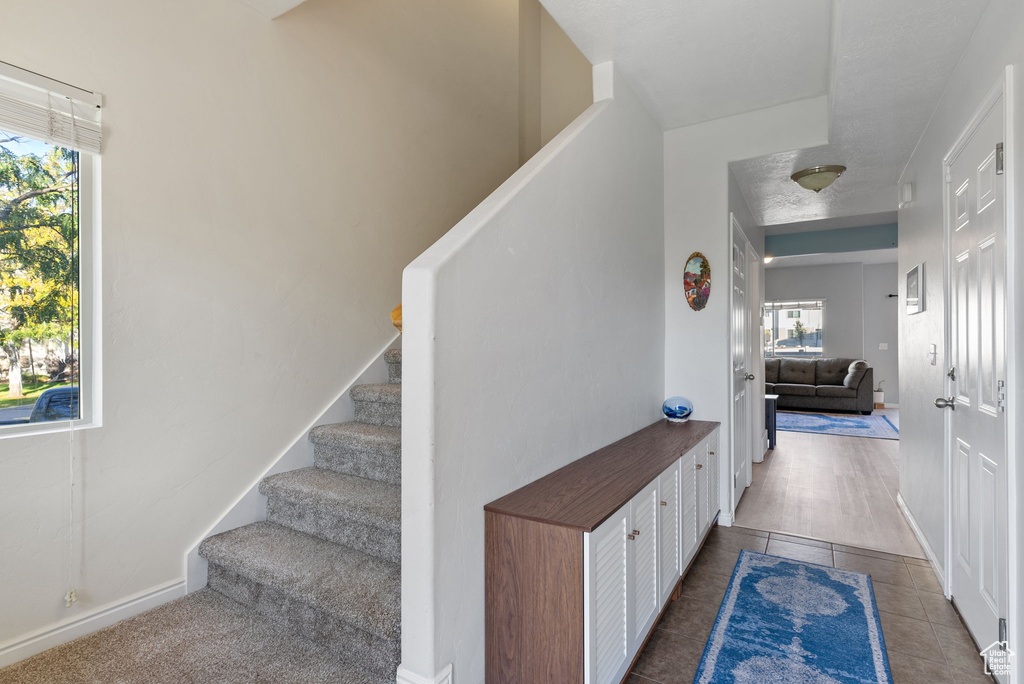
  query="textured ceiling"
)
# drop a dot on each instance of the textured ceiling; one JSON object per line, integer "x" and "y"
{"x": 893, "y": 59}
{"x": 697, "y": 60}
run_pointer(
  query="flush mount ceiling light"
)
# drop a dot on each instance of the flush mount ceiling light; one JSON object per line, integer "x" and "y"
{"x": 817, "y": 178}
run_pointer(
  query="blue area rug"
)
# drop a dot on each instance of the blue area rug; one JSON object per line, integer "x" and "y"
{"x": 794, "y": 622}
{"x": 879, "y": 427}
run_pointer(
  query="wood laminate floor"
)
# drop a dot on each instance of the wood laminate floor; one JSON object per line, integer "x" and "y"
{"x": 925, "y": 639}
{"x": 836, "y": 489}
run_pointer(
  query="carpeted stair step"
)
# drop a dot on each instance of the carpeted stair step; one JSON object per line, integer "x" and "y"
{"x": 333, "y": 595}
{"x": 360, "y": 449}
{"x": 394, "y": 360}
{"x": 379, "y": 404}
{"x": 353, "y": 511}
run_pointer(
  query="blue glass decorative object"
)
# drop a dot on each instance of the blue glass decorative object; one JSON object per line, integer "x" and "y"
{"x": 677, "y": 409}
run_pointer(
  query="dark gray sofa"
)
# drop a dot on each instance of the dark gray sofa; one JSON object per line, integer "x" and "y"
{"x": 825, "y": 384}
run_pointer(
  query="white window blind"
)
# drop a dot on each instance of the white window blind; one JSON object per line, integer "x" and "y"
{"x": 50, "y": 111}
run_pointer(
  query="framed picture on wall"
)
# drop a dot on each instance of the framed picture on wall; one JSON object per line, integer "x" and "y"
{"x": 915, "y": 289}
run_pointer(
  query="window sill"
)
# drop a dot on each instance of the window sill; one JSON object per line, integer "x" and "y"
{"x": 35, "y": 429}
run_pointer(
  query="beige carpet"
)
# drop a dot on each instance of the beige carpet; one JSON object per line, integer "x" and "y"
{"x": 203, "y": 637}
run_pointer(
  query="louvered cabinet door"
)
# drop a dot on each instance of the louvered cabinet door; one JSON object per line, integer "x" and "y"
{"x": 607, "y": 637}
{"x": 688, "y": 505}
{"x": 714, "y": 475}
{"x": 670, "y": 535}
{"x": 703, "y": 505}
{"x": 646, "y": 594}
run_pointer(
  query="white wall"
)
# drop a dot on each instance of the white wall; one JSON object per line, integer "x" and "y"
{"x": 534, "y": 334}
{"x": 264, "y": 185}
{"x": 998, "y": 41}
{"x": 555, "y": 79}
{"x": 738, "y": 206}
{"x": 697, "y": 220}
{"x": 881, "y": 325}
{"x": 842, "y": 286}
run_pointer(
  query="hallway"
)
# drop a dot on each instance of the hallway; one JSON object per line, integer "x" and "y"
{"x": 926, "y": 642}
{"x": 840, "y": 489}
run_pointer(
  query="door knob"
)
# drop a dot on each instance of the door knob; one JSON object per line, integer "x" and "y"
{"x": 946, "y": 403}
{"x": 748, "y": 376}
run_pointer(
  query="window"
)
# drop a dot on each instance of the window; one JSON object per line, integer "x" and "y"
{"x": 794, "y": 328}
{"x": 49, "y": 139}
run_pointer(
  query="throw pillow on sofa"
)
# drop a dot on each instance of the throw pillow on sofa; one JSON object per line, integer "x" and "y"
{"x": 856, "y": 373}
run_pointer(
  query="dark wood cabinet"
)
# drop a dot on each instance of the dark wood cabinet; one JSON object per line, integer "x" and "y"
{"x": 581, "y": 562}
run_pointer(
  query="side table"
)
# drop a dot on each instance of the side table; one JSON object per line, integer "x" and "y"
{"x": 769, "y": 417}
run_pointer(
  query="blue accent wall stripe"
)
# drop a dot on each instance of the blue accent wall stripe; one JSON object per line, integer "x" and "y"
{"x": 831, "y": 241}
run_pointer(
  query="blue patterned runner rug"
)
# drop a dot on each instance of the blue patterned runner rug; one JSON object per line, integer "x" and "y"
{"x": 879, "y": 427}
{"x": 794, "y": 622}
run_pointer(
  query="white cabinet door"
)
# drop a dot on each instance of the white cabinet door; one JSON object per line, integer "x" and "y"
{"x": 670, "y": 533}
{"x": 608, "y": 638}
{"x": 714, "y": 473}
{"x": 703, "y": 469}
{"x": 646, "y": 594}
{"x": 688, "y": 505}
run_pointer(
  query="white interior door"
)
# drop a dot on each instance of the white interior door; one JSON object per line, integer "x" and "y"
{"x": 741, "y": 377}
{"x": 976, "y": 417}
{"x": 755, "y": 359}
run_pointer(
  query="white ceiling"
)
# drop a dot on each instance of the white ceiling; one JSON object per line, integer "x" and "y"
{"x": 884, "y": 64}
{"x": 869, "y": 256}
{"x": 697, "y": 60}
{"x": 893, "y": 59}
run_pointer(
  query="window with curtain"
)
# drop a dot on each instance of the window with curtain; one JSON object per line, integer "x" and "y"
{"x": 794, "y": 328}
{"x": 50, "y": 136}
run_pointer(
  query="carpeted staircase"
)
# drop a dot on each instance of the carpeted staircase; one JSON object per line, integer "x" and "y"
{"x": 310, "y": 596}
{"x": 326, "y": 562}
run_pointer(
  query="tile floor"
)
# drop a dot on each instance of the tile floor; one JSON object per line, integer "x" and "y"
{"x": 926, "y": 641}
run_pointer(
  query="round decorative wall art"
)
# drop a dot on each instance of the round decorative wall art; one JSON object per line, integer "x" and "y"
{"x": 697, "y": 281}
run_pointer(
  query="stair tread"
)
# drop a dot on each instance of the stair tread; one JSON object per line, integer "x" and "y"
{"x": 385, "y": 393}
{"x": 361, "y": 499}
{"x": 359, "y": 589}
{"x": 393, "y": 355}
{"x": 342, "y": 433}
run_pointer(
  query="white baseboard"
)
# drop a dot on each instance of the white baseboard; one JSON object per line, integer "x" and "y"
{"x": 895, "y": 406}
{"x": 104, "y": 616}
{"x": 928, "y": 551}
{"x": 404, "y": 676}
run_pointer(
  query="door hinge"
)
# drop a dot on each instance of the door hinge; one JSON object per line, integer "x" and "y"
{"x": 999, "y": 159}
{"x": 1003, "y": 636}
{"x": 1001, "y": 395}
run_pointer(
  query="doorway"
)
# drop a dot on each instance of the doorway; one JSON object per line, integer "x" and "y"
{"x": 977, "y": 460}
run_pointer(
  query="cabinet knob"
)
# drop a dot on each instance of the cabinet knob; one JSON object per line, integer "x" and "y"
{"x": 699, "y": 466}
{"x": 635, "y": 532}
{"x": 664, "y": 503}
{"x": 712, "y": 453}
{"x": 630, "y": 537}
